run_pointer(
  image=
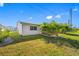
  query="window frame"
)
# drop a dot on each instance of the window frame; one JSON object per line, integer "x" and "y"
{"x": 33, "y": 28}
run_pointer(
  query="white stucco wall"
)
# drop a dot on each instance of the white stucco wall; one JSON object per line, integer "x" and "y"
{"x": 19, "y": 28}
{"x": 26, "y": 30}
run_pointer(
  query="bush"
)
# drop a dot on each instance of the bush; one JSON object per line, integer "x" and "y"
{"x": 6, "y": 33}
{"x": 3, "y": 35}
{"x": 14, "y": 35}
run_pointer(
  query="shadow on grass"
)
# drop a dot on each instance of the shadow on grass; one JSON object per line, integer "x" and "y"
{"x": 25, "y": 38}
{"x": 55, "y": 40}
{"x": 62, "y": 41}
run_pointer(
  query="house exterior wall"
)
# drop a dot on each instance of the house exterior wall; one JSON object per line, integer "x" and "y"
{"x": 19, "y": 28}
{"x": 26, "y": 30}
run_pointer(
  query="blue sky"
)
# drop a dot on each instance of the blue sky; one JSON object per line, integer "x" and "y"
{"x": 10, "y": 13}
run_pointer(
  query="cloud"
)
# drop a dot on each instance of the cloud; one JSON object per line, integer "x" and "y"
{"x": 75, "y": 9}
{"x": 1, "y": 4}
{"x": 30, "y": 17}
{"x": 58, "y": 16}
{"x": 49, "y": 17}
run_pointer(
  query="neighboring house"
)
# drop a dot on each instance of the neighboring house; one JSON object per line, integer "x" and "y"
{"x": 28, "y": 28}
{"x": 1, "y": 26}
{"x": 11, "y": 28}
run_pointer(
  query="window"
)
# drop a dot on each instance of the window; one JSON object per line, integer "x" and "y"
{"x": 33, "y": 28}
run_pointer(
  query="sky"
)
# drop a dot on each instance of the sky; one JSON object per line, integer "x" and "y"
{"x": 11, "y": 13}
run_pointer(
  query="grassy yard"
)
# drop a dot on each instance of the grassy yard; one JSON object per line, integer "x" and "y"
{"x": 38, "y": 45}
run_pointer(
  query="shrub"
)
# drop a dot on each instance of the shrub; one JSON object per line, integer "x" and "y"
{"x": 14, "y": 35}
{"x": 7, "y": 33}
{"x": 3, "y": 34}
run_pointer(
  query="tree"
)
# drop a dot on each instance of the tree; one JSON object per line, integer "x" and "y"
{"x": 54, "y": 28}
{"x": 44, "y": 27}
{"x": 65, "y": 28}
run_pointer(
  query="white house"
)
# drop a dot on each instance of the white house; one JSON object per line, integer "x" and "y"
{"x": 28, "y": 28}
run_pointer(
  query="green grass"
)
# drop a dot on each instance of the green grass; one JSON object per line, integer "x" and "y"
{"x": 74, "y": 32}
{"x": 38, "y": 45}
{"x": 71, "y": 37}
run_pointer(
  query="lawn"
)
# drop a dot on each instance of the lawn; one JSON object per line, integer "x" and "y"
{"x": 38, "y": 45}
